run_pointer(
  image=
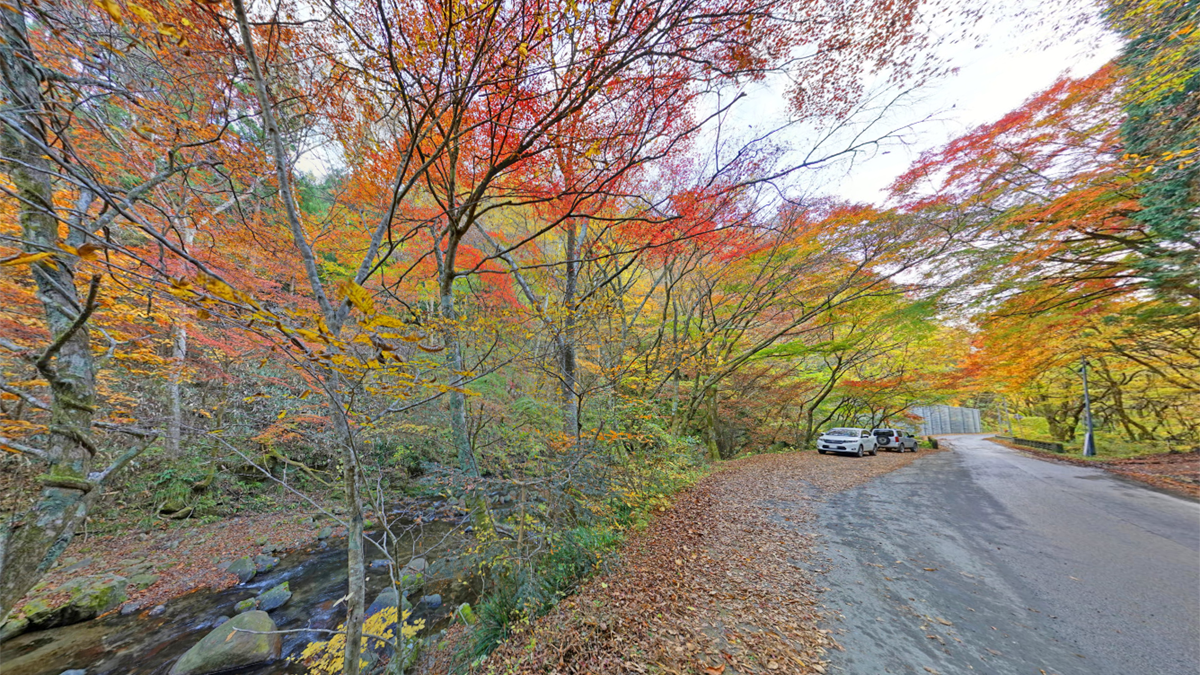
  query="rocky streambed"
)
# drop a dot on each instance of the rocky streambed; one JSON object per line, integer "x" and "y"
{"x": 300, "y": 590}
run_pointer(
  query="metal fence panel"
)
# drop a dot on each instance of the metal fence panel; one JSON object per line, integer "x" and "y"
{"x": 945, "y": 419}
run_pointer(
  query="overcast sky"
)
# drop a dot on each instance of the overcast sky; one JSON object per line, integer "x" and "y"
{"x": 1011, "y": 65}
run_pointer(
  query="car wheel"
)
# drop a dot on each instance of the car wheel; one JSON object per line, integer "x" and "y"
{"x": 875, "y": 451}
{"x": 860, "y": 451}
{"x": 819, "y": 451}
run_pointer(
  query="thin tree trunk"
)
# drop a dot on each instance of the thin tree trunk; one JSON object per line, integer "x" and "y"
{"x": 354, "y": 559}
{"x": 179, "y": 338}
{"x": 567, "y": 374}
{"x": 459, "y": 433}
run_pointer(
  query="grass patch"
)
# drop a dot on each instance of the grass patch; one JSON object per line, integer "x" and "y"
{"x": 1109, "y": 444}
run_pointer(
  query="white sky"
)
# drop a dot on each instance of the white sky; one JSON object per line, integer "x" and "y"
{"x": 996, "y": 76}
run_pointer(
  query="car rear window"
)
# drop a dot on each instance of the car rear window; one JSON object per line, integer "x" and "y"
{"x": 886, "y": 431}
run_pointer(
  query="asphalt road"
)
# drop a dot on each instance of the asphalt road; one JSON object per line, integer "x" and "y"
{"x": 983, "y": 560}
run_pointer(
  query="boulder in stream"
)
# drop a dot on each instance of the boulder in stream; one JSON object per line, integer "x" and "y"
{"x": 228, "y": 647}
{"x": 325, "y": 532}
{"x": 275, "y": 597}
{"x": 265, "y": 563}
{"x": 243, "y": 568}
{"x": 245, "y": 605}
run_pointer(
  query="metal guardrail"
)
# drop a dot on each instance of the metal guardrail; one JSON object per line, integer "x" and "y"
{"x": 1030, "y": 443}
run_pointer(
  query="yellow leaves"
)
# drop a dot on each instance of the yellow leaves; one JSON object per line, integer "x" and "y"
{"x": 523, "y": 50}
{"x": 28, "y": 259}
{"x": 327, "y": 657}
{"x": 359, "y": 298}
{"x": 113, "y": 10}
{"x": 141, "y": 12}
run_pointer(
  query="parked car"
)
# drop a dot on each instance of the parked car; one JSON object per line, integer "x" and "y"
{"x": 847, "y": 439}
{"x": 895, "y": 439}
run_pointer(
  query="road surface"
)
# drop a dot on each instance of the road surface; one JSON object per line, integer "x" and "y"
{"x": 983, "y": 560}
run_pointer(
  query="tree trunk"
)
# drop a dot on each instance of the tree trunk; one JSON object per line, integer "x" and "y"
{"x": 567, "y": 369}
{"x": 459, "y": 433}
{"x": 175, "y": 389}
{"x": 355, "y": 562}
{"x": 30, "y": 543}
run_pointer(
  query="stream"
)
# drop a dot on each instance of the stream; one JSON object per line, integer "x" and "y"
{"x": 139, "y": 644}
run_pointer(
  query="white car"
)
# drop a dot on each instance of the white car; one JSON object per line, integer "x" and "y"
{"x": 894, "y": 439}
{"x": 847, "y": 439}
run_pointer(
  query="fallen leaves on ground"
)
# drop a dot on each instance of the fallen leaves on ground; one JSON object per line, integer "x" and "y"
{"x": 716, "y": 585}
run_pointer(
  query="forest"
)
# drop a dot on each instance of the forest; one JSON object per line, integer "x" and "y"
{"x": 547, "y": 275}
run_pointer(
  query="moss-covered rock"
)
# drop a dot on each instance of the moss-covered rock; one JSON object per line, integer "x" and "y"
{"x": 227, "y": 647}
{"x": 87, "y": 598}
{"x": 275, "y": 597}
{"x": 265, "y": 563}
{"x": 245, "y": 605}
{"x": 465, "y": 615}
{"x": 143, "y": 581}
{"x": 13, "y": 627}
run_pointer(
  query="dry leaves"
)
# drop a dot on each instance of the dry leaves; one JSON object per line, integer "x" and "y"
{"x": 715, "y": 583}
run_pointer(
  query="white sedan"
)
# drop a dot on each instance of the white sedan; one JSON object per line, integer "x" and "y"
{"x": 847, "y": 439}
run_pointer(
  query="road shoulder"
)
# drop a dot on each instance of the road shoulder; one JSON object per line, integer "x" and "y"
{"x": 723, "y": 582}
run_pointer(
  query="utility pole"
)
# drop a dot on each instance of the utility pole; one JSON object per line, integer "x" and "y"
{"x": 1089, "y": 439}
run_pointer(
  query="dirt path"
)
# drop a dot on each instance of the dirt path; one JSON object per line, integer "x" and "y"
{"x": 719, "y": 584}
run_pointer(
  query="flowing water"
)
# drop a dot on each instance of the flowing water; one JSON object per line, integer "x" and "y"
{"x": 148, "y": 645}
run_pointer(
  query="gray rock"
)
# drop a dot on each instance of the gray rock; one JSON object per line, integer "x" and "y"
{"x": 380, "y": 564}
{"x": 243, "y": 569}
{"x": 325, "y": 532}
{"x": 143, "y": 581}
{"x": 157, "y": 610}
{"x": 74, "y": 671}
{"x": 264, "y": 563}
{"x": 388, "y": 597}
{"x": 274, "y": 598}
{"x": 130, "y": 608}
{"x": 226, "y": 647}
{"x": 13, "y": 627}
{"x": 245, "y": 605}
{"x": 78, "y": 565}
{"x": 432, "y": 601}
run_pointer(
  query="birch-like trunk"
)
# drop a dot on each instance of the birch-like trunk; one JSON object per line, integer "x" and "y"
{"x": 179, "y": 338}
